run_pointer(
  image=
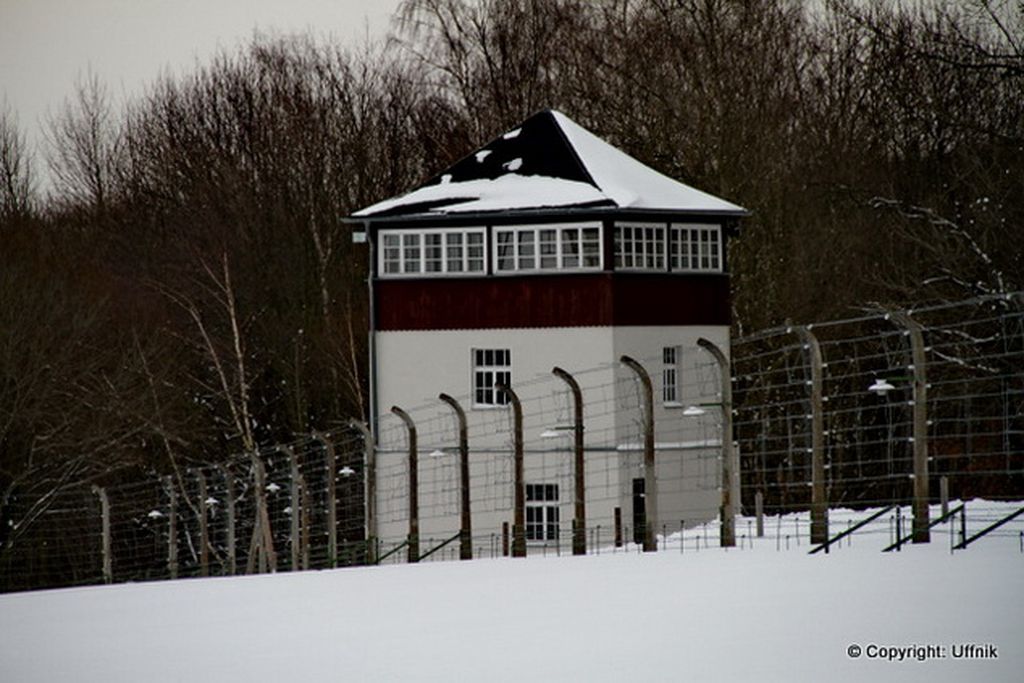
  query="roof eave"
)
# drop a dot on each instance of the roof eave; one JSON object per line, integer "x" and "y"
{"x": 537, "y": 212}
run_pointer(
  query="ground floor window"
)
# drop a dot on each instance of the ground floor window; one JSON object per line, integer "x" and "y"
{"x": 670, "y": 375}
{"x": 542, "y": 512}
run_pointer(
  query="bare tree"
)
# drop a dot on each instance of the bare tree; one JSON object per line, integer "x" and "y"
{"x": 85, "y": 146}
{"x": 17, "y": 182}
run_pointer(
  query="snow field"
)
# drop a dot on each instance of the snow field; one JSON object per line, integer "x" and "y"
{"x": 711, "y": 615}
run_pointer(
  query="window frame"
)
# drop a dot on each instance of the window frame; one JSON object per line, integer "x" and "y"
{"x": 423, "y": 239}
{"x": 716, "y": 251}
{"x": 618, "y": 254}
{"x": 671, "y": 369}
{"x": 547, "y": 504}
{"x": 495, "y": 371}
{"x": 537, "y": 255}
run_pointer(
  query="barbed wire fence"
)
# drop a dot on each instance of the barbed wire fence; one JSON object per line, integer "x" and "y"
{"x": 848, "y": 424}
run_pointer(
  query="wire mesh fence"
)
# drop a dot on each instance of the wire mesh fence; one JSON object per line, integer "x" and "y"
{"x": 336, "y": 499}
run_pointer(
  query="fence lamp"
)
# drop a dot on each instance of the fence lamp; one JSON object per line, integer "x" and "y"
{"x": 556, "y": 431}
{"x": 881, "y": 387}
{"x": 698, "y": 409}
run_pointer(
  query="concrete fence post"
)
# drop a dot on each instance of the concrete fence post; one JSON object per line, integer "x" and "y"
{"x": 172, "y": 528}
{"x": 331, "y": 470}
{"x": 465, "y": 511}
{"x": 295, "y": 503}
{"x": 819, "y": 496}
{"x": 518, "y": 484}
{"x": 921, "y": 531}
{"x": 204, "y": 526}
{"x": 229, "y": 512}
{"x": 108, "y": 571}
{"x": 759, "y": 512}
{"x": 369, "y": 489}
{"x": 730, "y": 458}
{"x": 306, "y": 505}
{"x": 944, "y": 494}
{"x": 579, "y": 528}
{"x": 650, "y": 480}
{"x": 261, "y": 550}
{"x": 414, "y": 505}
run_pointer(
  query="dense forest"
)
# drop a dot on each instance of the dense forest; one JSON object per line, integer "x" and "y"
{"x": 177, "y": 284}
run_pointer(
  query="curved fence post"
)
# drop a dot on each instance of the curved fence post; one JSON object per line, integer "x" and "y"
{"x": 518, "y": 486}
{"x": 465, "y": 513}
{"x": 369, "y": 488}
{"x": 579, "y": 522}
{"x": 650, "y": 481}
{"x": 730, "y": 466}
{"x": 331, "y": 470}
{"x": 414, "y": 505}
{"x": 819, "y": 496}
{"x": 921, "y": 531}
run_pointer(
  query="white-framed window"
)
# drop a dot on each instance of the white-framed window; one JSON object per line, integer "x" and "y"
{"x": 542, "y": 512}
{"x": 670, "y": 357}
{"x": 697, "y": 246}
{"x": 490, "y": 368}
{"x": 640, "y": 246}
{"x": 439, "y": 251}
{"x": 575, "y": 246}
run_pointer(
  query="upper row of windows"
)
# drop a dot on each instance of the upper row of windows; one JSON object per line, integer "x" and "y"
{"x": 517, "y": 249}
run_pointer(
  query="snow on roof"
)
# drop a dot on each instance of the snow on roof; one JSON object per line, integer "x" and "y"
{"x": 631, "y": 184}
{"x": 510, "y": 191}
{"x": 549, "y": 161}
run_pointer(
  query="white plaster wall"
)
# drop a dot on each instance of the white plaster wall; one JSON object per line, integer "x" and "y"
{"x": 414, "y": 367}
{"x": 688, "y": 477}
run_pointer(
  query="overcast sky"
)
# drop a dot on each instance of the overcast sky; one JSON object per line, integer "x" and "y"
{"x": 45, "y": 45}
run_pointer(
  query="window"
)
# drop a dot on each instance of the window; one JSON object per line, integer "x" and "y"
{"x": 640, "y": 246}
{"x": 490, "y": 368}
{"x": 549, "y": 247}
{"x": 433, "y": 252}
{"x": 670, "y": 375}
{"x": 697, "y": 247}
{"x": 542, "y": 512}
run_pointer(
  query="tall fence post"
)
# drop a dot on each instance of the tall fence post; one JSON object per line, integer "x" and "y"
{"x": 944, "y": 494}
{"x": 414, "y": 505}
{"x": 229, "y": 511}
{"x": 295, "y": 503}
{"x": 172, "y": 528}
{"x": 465, "y": 512}
{"x": 819, "y": 498}
{"x": 579, "y": 522}
{"x": 204, "y": 526}
{"x": 518, "y": 486}
{"x": 650, "y": 481}
{"x": 305, "y": 502}
{"x": 921, "y": 530}
{"x": 759, "y": 512}
{"x": 261, "y": 549}
{"x": 369, "y": 488}
{"x": 108, "y": 570}
{"x": 730, "y": 459}
{"x": 331, "y": 470}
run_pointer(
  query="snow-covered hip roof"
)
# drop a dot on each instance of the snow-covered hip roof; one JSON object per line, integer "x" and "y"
{"x": 548, "y": 162}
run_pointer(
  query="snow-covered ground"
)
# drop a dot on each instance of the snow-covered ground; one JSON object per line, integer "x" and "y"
{"x": 761, "y": 613}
